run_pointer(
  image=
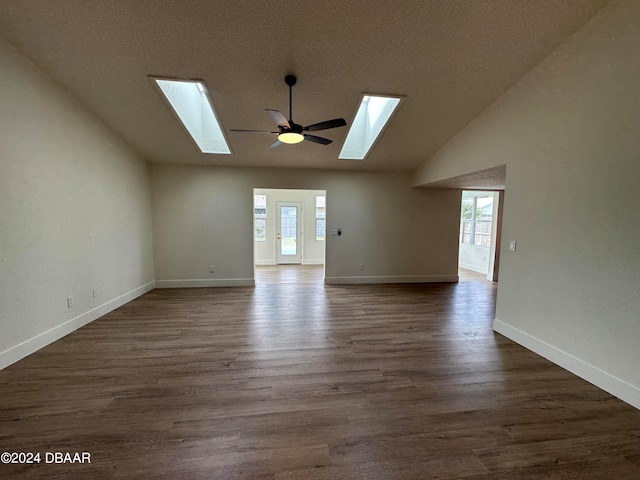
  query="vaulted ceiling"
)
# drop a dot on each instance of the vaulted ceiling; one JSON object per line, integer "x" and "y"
{"x": 451, "y": 58}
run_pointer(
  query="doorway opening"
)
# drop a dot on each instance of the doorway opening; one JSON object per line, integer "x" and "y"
{"x": 289, "y": 235}
{"x": 480, "y": 231}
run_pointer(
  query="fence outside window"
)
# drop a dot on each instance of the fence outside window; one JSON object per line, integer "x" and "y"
{"x": 476, "y": 220}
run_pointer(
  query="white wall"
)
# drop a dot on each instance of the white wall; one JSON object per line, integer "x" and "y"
{"x": 75, "y": 213}
{"x": 202, "y": 216}
{"x": 569, "y": 134}
{"x": 474, "y": 258}
{"x": 312, "y": 249}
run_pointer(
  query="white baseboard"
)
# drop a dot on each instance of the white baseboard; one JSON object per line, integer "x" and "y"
{"x": 18, "y": 352}
{"x": 592, "y": 374}
{"x": 473, "y": 268}
{"x": 318, "y": 261}
{"x": 203, "y": 283}
{"x": 391, "y": 279}
{"x": 261, "y": 263}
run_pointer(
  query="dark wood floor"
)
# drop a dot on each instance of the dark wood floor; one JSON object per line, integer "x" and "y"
{"x": 297, "y": 380}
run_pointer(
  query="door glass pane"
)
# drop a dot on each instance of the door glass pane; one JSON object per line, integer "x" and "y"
{"x": 288, "y": 225}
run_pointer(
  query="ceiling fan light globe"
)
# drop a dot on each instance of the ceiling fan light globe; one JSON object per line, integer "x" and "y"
{"x": 290, "y": 137}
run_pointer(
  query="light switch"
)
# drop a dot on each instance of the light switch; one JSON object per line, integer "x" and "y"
{"x": 512, "y": 245}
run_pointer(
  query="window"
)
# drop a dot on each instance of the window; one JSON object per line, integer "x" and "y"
{"x": 260, "y": 218}
{"x": 321, "y": 221}
{"x": 476, "y": 218}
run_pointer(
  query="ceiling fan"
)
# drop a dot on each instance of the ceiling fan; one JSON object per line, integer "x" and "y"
{"x": 290, "y": 132}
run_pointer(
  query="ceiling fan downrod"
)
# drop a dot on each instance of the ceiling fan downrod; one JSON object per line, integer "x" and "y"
{"x": 291, "y": 81}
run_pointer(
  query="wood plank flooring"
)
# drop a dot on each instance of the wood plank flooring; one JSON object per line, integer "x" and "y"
{"x": 296, "y": 380}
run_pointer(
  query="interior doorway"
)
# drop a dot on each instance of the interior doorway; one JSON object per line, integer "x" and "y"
{"x": 480, "y": 232}
{"x": 289, "y": 235}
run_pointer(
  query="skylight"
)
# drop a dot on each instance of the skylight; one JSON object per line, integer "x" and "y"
{"x": 190, "y": 101}
{"x": 373, "y": 114}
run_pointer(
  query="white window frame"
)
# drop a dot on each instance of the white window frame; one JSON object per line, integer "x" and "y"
{"x": 260, "y": 217}
{"x": 321, "y": 216}
{"x": 473, "y": 226}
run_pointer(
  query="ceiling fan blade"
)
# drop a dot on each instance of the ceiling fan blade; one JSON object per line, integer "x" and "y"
{"x": 279, "y": 118}
{"x": 336, "y": 122}
{"x": 320, "y": 140}
{"x": 251, "y": 131}
{"x": 277, "y": 143}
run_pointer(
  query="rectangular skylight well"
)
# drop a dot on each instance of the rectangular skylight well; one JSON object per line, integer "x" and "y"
{"x": 191, "y": 103}
{"x": 373, "y": 115}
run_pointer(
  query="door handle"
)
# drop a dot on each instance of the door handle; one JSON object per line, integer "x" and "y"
{"x": 279, "y": 237}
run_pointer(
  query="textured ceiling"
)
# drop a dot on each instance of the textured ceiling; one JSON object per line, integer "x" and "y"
{"x": 451, "y": 58}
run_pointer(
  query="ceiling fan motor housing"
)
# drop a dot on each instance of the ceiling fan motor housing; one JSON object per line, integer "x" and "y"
{"x": 294, "y": 128}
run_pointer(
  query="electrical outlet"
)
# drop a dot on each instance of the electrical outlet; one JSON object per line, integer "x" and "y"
{"x": 361, "y": 266}
{"x": 95, "y": 292}
{"x": 70, "y": 302}
{"x": 212, "y": 269}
